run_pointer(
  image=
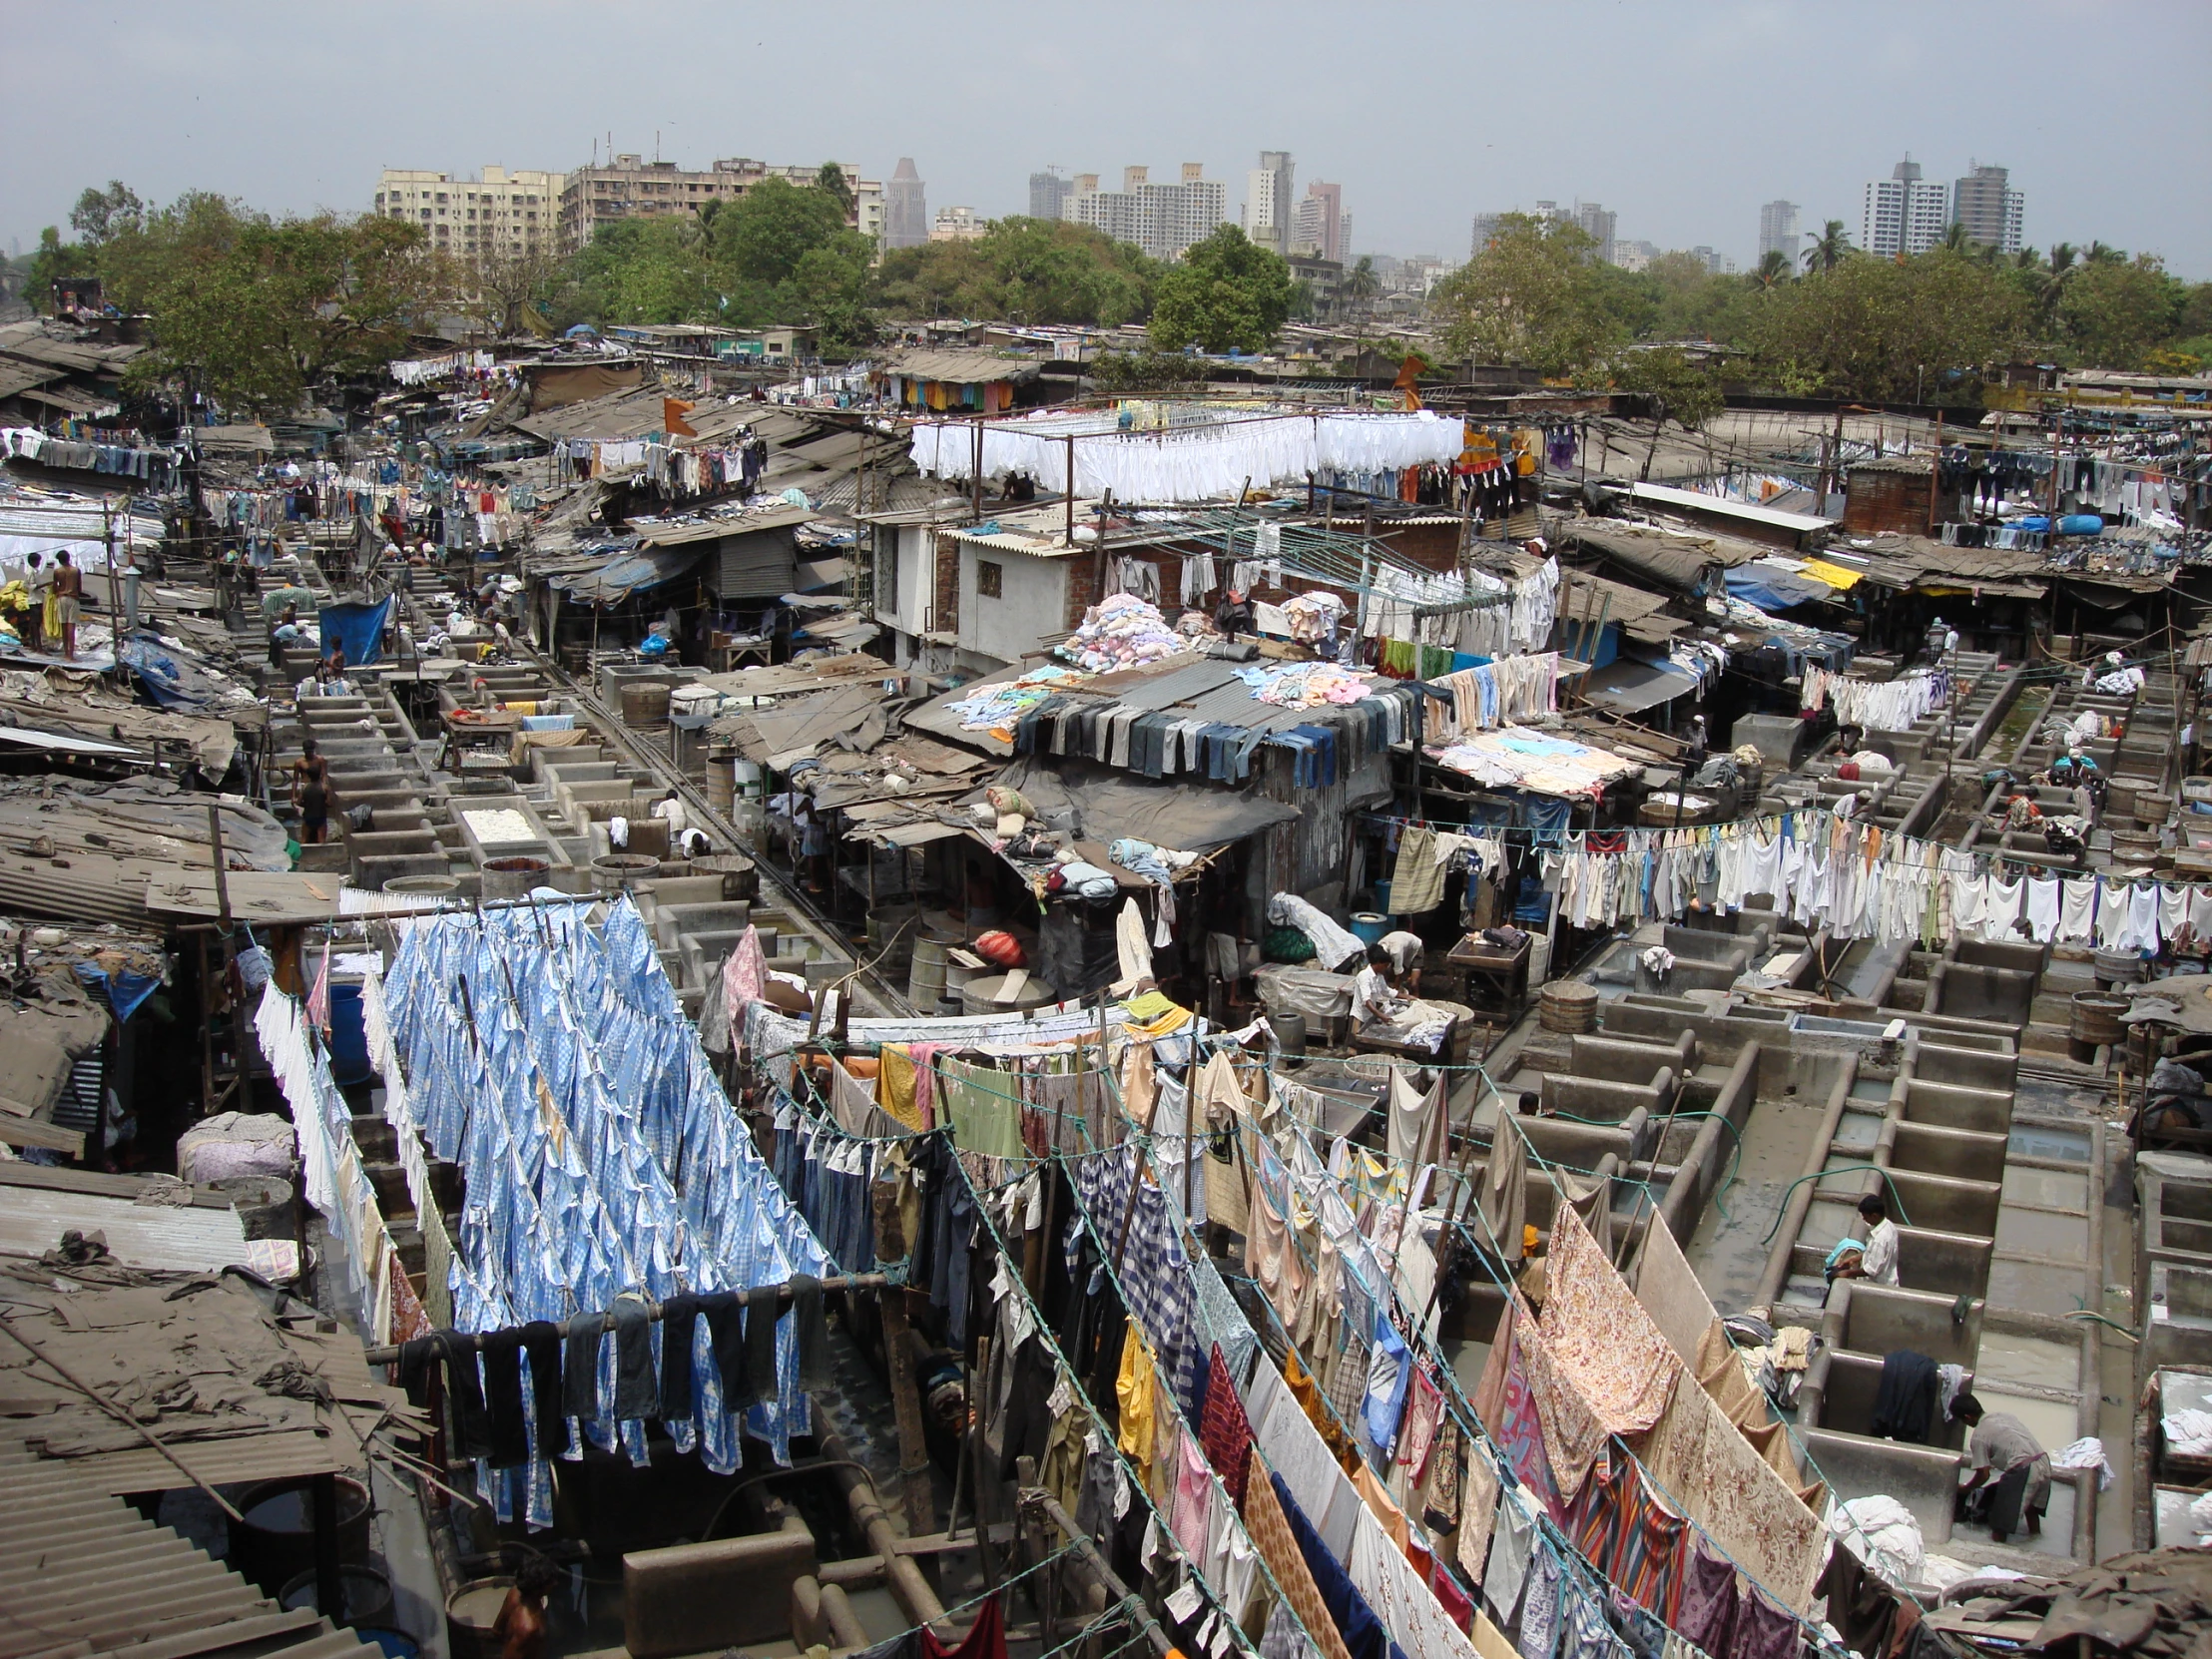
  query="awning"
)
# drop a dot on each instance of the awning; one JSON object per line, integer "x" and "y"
{"x": 1110, "y": 805}
{"x": 1627, "y": 686}
{"x": 627, "y": 573}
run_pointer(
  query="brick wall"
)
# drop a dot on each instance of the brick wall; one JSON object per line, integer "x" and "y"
{"x": 946, "y": 597}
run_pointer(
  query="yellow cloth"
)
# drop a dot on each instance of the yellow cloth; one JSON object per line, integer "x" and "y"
{"x": 894, "y": 1085}
{"x": 528, "y": 705}
{"x": 1836, "y": 576}
{"x": 1135, "y": 1390}
{"x": 51, "y": 615}
{"x": 1490, "y": 1641}
{"x": 1155, "y": 1014}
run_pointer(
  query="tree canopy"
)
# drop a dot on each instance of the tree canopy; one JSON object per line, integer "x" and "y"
{"x": 1029, "y": 270}
{"x": 1226, "y": 293}
{"x": 1534, "y": 295}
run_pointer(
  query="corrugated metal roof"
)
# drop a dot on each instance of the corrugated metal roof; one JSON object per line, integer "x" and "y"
{"x": 91, "y": 1575}
{"x": 1693, "y": 501}
{"x": 185, "y": 1238}
{"x": 964, "y": 368}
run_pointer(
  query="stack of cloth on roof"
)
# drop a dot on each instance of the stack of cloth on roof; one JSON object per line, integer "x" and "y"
{"x": 1122, "y": 632}
{"x": 998, "y": 708}
{"x": 1517, "y": 758}
{"x": 1305, "y": 684}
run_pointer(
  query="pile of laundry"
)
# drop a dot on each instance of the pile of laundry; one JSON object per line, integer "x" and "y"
{"x": 1518, "y": 758}
{"x": 1305, "y": 684}
{"x": 998, "y": 708}
{"x": 1122, "y": 631}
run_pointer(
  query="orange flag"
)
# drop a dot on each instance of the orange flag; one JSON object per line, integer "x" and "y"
{"x": 672, "y": 411}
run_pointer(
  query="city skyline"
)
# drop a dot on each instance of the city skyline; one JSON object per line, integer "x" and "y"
{"x": 173, "y": 130}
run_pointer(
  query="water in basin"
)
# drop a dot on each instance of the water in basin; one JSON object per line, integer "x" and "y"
{"x": 2042, "y": 1233}
{"x": 2053, "y": 1189}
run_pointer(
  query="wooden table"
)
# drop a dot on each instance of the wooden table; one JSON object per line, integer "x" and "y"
{"x": 1500, "y": 972}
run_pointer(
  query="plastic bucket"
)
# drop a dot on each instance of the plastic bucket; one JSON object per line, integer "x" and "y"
{"x": 1368, "y": 926}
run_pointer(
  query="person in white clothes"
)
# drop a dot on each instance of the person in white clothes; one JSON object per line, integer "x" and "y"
{"x": 1405, "y": 951}
{"x": 1879, "y": 1260}
{"x": 671, "y": 807}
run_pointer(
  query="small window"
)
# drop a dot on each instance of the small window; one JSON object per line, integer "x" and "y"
{"x": 987, "y": 579}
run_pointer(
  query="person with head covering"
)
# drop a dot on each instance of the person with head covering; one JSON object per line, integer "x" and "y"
{"x": 1232, "y": 616}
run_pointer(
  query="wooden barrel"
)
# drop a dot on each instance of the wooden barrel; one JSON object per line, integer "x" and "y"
{"x": 926, "y": 974}
{"x": 2151, "y": 809}
{"x": 2116, "y": 967}
{"x": 512, "y": 877}
{"x": 2097, "y": 1023}
{"x": 1567, "y": 1006}
{"x": 612, "y": 871}
{"x": 645, "y": 705}
{"x": 983, "y": 996}
{"x": 722, "y": 780}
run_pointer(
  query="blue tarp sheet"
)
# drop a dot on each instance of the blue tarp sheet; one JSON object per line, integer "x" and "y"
{"x": 1773, "y": 590}
{"x": 358, "y": 628}
{"x": 172, "y": 678}
{"x": 124, "y": 989}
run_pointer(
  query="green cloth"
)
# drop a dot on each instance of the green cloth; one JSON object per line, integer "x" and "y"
{"x": 980, "y": 1104}
{"x": 1288, "y": 944}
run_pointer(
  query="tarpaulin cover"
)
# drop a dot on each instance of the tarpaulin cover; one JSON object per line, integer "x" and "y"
{"x": 1773, "y": 590}
{"x": 358, "y": 628}
{"x": 1110, "y": 805}
{"x": 124, "y": 989}
{"x": 625, "y": 573}
{"x": 173, "y": 678}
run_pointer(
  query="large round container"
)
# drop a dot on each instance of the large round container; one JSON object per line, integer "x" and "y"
{"x": 2151, "y": 809}
{"x": 348, "y": 1037}
{"x": 644, "y": 704}
{"x": 612, "y": 871}
{"x": 925, "y": 976}
{"x": 264, "y": 1203}
{"x": 513, "y": 877}
{"x": 2116, "y": 967}
{"x": 470, "y": 1612}
{"x": 1567, "y": 1006}
{"x": 1368, "y": 926}
{"x": 981, "y": 996}
{"x": 367, "y": 1592}
{"x": 2095, "y": 1023}
{"x": 721, "y": 780}
{"x": 425, "y": 886}
{"x": 274, "y": 1542}
{"x": 1290, "y": 1036}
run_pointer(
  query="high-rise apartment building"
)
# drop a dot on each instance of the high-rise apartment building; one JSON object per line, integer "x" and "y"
{"x": 1988, "y": 209}
{"x": 1485, "y": 231}
{"x": 905, "y": 207}
{"x": 1634, "y": 255}
{"x": 1048, "y": 194}
{"x": 1321, "y": 227}
{"x": 1778, "y": 232}
{"x": 1161, "y": 218}
{"x": 630, "y": 186}
{"x": 1270, "y": 217}
{"x": 1719, "y": 264}
{"x": 498, "y": 214}
{"x": 1904, "y": 213}
{"x": 1596, "y": 223}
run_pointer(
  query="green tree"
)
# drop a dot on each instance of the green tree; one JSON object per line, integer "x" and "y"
{"x": 762, "y": 237}
{"x": 1829, "y": 248}
{"x": 829, "y": 290}
{"x": 1673, "y": 387}
{"x": 1226, "y": 293}
{"x": 1873, "y": 327}
{"x": 257, "y": 310}
{"x": 1532, "y": 295}
{"x": 2111, "y": 313}
{"x": 831, "y": 180}
{"x": 1774, "y": 267}
{"x": 1031, "y": 270}
{"x": 102, "y": 213}
{"x": 500, "y": 288}
{"x": 657, "y": 269}
{"x": 48, "y": 263}
{"x": 1124, "y": 373}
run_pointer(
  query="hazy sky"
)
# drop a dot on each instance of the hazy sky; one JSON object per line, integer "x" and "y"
{"x": 1683, "y": 117}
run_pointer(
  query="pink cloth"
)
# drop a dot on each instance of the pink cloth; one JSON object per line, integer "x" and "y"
{"x": 1425, "y": 1409}
{"x": 1194, "y": 1493}
{"x": 743, "y": 977}
{"x": 925, "y": 1082}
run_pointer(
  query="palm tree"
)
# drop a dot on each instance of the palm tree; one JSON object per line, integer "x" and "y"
{"x": 1829, "y": 248}
{"x": 2051, "y": 284}
{"x": 2099, "y": 252}
{"x": 1956, "y": 239}
{"x": 1773, "y": 267}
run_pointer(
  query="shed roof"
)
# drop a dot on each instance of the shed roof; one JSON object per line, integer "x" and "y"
{"x": 1666, "y": 495}
{"x": 964, "y": 368}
